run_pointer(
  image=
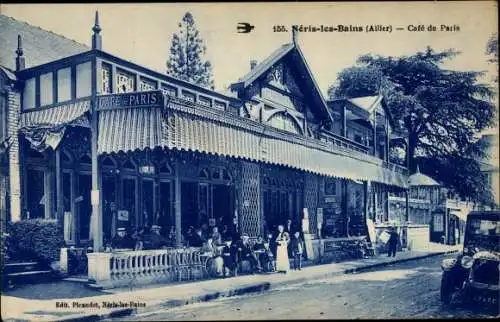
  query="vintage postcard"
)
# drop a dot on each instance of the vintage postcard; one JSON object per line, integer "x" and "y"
{"x": 249, "y": 161}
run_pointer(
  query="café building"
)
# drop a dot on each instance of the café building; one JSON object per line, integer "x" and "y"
{"x": 98, "y": 142}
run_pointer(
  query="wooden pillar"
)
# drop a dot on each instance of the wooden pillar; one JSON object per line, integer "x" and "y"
{"x": 95, "y": 193}
{"x": 387, "y": 140}
{"x": 177, "y": 206}
{"x": 407, "y": 204}
{"x": 344, "y": 121}
{"x": 345, "y": 199}
{"x": 59, "y": 188}
{"x": 375, "y": 135}
{"x": 375, "y": 204}
{"x": 366, "y": 190}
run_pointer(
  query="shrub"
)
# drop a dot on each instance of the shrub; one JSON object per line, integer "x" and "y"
{"x": 36, "y": 238}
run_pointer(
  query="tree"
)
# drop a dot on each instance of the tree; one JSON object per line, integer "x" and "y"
{"x": 440, "y": 111}
{"x": 186, "y": 51}
{"x": 492, "y": 50}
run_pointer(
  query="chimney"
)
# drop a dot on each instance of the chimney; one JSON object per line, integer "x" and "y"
{"x": 96, "y": 37}
{"x": 253, "y": 63}
{"x": 20, "y": 63}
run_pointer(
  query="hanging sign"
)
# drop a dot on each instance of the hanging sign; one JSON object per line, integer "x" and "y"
{"x": 130, "y": 100}
{"x": 123, "y": 215}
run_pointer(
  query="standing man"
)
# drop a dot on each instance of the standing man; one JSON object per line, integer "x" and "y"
{"x": 393, "y": 242}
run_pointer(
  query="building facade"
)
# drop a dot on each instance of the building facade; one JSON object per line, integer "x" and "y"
{"x": 98, "y": 142}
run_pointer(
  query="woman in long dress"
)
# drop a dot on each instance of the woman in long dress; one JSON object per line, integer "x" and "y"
{"x": 282, "y": 240}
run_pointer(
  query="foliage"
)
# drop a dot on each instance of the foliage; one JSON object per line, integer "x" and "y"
{"x": 492, "y": 50}
{"x": 36, "y": 238}
{"x": 439, "y": 111}
{"x": 186, "y": 51}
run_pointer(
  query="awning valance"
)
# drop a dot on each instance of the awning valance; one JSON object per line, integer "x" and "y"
{"x": 129, "y": 129}
{"x": 44, "y": 128}
{"x": 462, "y": 215}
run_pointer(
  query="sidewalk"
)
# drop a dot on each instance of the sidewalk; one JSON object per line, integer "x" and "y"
{"x": 151, "y": 298}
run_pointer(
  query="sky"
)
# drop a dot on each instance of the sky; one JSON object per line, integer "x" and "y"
{"x": 142, "y": 32}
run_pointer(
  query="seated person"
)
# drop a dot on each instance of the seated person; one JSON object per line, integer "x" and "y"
{"x": 211, "y": 250}
{"x": 266, "y": 258}
{"x": 197, "y": 239}
{"x": 154, "y": 240}
{"x": 216, "y": 236}
{"x": 229, "y": 258}
{"x": 246, "y": 253}
{"x": 122, "y": 240}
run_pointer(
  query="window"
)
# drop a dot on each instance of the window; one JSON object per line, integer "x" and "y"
{"x": 205, "y": 101}
{"x": 46, "y": 89}
{"x": 29, "y": 94}
{"x": 330, "y": 187}
{"x": 438, "y": 222}
{"x": 64, "y": 84}
{"x": 83, "y": 79}
{"x": 147, "y": 85}
{"x": 169, "y": 90}
{"x": 106, "y": 79}
{"x": 125, "y": 82}
{"x": 188, "y": 96}
{"x": 220, "y": 105}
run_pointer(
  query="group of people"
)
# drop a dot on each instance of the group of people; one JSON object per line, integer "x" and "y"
{"x": 226, "y": 248}
{"x": 144, "y": 238}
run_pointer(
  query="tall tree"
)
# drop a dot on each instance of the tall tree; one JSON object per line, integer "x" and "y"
{"x": 440, "y": 111}
{"x": 186, "y": 55}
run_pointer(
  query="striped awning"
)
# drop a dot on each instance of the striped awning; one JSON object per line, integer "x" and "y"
{"x": 136, "y": 129}
{"x": 56, "y": 116}
{"x": 197, "y": 134}
{"x": 129, "y": 129}
{"x": 45, "y": 128}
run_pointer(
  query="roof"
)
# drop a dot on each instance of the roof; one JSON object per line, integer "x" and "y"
{"x": 302, "y": 66}
{"x": 367, "y": 103}
{"x": 420, "y": 179}
{"x": 40, "y": 46}
{"x": 264, "y": 65}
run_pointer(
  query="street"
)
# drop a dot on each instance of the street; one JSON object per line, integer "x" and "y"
{"x": 405, "y": 290}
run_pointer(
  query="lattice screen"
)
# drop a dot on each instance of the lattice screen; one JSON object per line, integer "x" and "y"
{"x": 249, "y": 199}
{"x": 311, "y": 187}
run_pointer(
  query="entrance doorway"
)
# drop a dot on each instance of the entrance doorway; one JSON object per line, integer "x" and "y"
{"x": 222, "y": 203}
{"x": 84, "y": 205}
{"x": 189, "y": 205}
{"x": 147, "y": 202}
{"x": 109, "y": 207}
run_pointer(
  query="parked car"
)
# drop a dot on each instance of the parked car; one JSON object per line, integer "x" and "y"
{"x": 474, "y": 274}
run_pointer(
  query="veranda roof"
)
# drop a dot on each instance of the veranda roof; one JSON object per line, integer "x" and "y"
{"x": 194, "y": 128}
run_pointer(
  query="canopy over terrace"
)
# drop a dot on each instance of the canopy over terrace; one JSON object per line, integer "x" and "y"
{"x": 176, "y": 124}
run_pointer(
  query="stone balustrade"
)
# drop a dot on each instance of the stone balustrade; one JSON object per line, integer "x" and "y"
{"x": 129, "y": 268}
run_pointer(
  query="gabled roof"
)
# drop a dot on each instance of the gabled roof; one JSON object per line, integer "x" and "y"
{"x": 286, "y": 49}
{"x": 40, "y": 46}
{"x": 367, "y": 103}
{"x": 263, "y": 66}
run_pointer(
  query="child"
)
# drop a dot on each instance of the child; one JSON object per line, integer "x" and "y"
{"x": 297, "y": 249}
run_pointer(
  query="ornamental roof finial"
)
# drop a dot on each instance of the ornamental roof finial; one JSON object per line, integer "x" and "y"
{"x": 20, "y": 62}
{"x": 96, "y": 28}
{"x": 96, "y": 37}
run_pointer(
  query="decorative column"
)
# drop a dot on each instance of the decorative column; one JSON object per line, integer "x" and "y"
{"x": 59, "y": 190}
{"x": 177, "y": 205}
{"x": 95, "y": 195}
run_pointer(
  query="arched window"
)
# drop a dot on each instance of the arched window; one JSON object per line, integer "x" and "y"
{"x": 203, "y": 174}
{"x": 165, "y": 169}
{"x": 85, "y": 159}
{"x": 284, "y": 121}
